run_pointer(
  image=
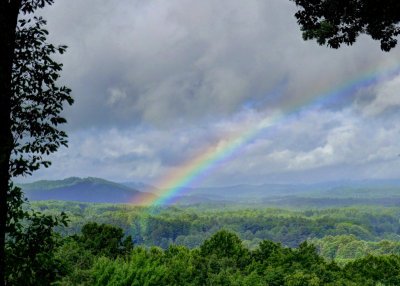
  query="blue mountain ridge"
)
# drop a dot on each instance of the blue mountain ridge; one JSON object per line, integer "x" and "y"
{"x": 88, "y": 190}
{"x": 97, "y": 190}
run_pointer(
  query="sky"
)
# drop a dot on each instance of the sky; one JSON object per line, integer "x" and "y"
{"x": 157, "y": 83}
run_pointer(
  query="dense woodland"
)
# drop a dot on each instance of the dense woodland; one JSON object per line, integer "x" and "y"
{"x": 94, "y": 258}
{"x": 211, "y": 244}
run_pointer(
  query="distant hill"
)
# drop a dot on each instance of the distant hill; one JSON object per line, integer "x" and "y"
{"x": 88, "y": 190}
{"x": 248, "y": 193}
{"x": 96, "y": 190}
{"x": 370, "y": 189}
{"x": 140, "y": 186}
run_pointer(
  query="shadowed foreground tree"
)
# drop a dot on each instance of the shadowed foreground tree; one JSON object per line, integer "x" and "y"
{"x": 30, "y": 107}
{"x": 337, "y": 22}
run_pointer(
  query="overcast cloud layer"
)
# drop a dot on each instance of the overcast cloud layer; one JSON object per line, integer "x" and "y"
{"x": 158, "y": 82}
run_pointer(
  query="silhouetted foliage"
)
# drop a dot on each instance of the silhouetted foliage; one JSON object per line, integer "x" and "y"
{"x": 36, "y": 101}
{"x": 337, "y": 22}
{"x": 30, "y": 107}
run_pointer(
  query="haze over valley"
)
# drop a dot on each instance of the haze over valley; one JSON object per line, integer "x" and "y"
{"x": 319, "y": 195}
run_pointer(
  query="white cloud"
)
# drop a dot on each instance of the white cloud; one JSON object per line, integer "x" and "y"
{"x": 116, "y": 95}
{"x": 387, "y": 95}
{"x": 338, "y": 140}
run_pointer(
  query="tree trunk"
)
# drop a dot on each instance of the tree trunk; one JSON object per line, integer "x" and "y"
{"x": 8, "y": 22}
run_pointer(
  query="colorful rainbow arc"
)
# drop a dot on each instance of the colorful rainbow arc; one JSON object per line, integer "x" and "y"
{"x": 177, "y": 181}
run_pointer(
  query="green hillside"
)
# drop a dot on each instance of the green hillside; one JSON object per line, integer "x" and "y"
{"x": 89, "y": 190}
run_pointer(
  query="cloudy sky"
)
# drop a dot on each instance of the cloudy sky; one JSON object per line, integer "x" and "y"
{"x": 156, "y": 83}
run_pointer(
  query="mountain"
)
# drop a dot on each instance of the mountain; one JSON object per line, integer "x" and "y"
{"x": 96, "y": 190}
{"x": 140, "y": 186}
{"x": 250, "y": 192}
{"x": 361, "y": 189}
{"x": 88, "y": 190}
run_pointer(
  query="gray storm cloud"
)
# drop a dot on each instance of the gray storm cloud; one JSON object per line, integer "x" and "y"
{"x": 190, "y": 59}
{"x": 157, "y": 81}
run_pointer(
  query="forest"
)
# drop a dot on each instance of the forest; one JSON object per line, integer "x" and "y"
{"x": 211, "y": 244}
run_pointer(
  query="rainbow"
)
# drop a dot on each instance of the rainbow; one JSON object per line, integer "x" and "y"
{"x": 192, "y": 171}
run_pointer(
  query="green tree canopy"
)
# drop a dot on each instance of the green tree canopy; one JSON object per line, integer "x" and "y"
{"x": 102, "y": 239}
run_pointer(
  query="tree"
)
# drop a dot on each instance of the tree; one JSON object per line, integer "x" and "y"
{"x": 337, "y": 22}
{"x": 30, "y": 251}
{"x": 103, "y": 239}
{"x": 30, "y": 106}
{"x": 225, "y": 244}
